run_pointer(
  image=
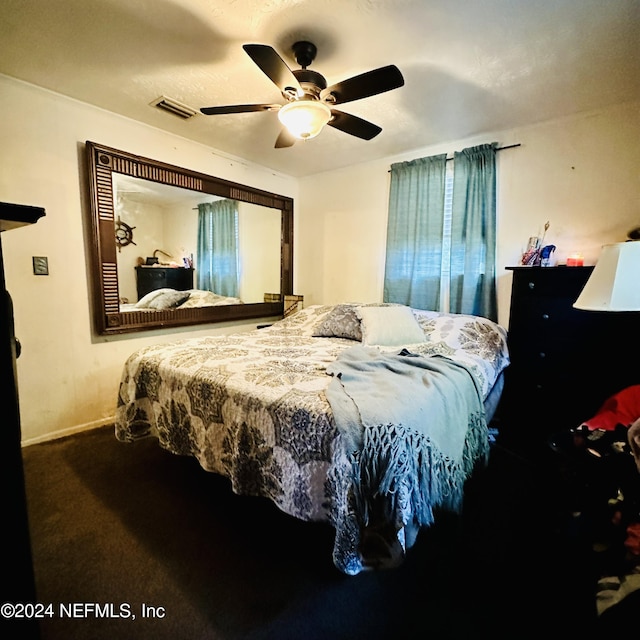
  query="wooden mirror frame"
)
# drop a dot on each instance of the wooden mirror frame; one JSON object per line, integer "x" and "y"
{"x": 103, "y": 162}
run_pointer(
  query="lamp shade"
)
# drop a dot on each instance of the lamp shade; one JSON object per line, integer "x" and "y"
{"x": 614, "y": 284}
{"x": 304, "y": 118}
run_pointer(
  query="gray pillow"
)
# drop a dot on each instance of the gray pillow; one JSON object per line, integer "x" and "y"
{"x": 340, "y": 322}
{"x": 145, "y": 301}
{"x": 169, "y": 300}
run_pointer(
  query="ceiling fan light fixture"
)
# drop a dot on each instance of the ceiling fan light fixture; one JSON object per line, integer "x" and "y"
{"x": 304, "y": 118}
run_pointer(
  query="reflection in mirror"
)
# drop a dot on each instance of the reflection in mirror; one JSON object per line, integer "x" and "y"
{"x": 164, "y": 224}
{"x": 146, "y": 221}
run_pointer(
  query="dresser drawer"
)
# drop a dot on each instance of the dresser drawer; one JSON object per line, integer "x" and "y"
{"x": 554, "y": 282}
{"x": 546, "y": 328}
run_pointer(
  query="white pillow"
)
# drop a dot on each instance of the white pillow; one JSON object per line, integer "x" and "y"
{"x": 389, "y": 326}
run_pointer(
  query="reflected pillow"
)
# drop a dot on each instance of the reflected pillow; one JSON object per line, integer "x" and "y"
{"x": 392, "y": 326}
{"x": 146, "y": 300}
{"x": 169, "y": 300}
{"x": 340, "y": 322}
{"x": 161, "y": 299}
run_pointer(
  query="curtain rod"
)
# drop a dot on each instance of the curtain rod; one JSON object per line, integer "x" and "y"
{"x": 509, "y": 146}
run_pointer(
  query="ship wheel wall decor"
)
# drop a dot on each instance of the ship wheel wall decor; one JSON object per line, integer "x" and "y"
{"x": 124, "y": 234}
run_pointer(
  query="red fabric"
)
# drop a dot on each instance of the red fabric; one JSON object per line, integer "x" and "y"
{"x": 621, "y": 408}
{"x": 632, "y": 541}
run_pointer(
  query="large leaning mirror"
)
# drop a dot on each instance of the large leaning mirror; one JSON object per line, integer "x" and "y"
{"x": 174, "y": 247}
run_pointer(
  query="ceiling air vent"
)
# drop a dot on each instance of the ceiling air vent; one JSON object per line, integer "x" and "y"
{"x": 174, "y": 107}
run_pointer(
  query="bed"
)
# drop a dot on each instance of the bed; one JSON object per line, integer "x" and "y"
{"x": 370, "y": 417}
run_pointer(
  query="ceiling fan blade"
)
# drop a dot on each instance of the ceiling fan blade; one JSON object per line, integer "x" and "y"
{"x": 239, "y": 108}
{"x": 285, "y": 139}
{"x": 353, "y": 125}
{"x": 364, "y": 85}
{"x": 274, "y": 67}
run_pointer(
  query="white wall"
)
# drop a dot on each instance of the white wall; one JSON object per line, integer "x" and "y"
{"x": 260, "y": 231}
{"x": 67, "y": 377}
{"x": 581, "y": 174}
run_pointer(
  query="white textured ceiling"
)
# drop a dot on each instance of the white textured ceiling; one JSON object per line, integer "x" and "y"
{"x": 470, "y": 66}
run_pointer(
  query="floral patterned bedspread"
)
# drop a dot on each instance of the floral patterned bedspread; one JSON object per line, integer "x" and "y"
{"x": 252, "y": 406}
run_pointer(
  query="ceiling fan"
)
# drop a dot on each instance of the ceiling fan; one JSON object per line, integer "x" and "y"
{"x": 310, "y": 101}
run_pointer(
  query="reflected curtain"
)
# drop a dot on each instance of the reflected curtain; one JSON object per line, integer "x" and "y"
{"x": 217, "y": 257}
{"x": 414, "y": 232}
{"x": 473, "y": 232}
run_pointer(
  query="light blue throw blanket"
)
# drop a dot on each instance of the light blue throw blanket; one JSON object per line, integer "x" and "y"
{"x": 413, "y": 428}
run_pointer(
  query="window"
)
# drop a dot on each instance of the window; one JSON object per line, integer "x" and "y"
{"x": 441, "y": 233}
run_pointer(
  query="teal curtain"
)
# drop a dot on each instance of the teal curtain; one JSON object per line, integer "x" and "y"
{"x": 217, "y": 257}
{"x": 414, "y": 233}
{"x": 473, "y": 232}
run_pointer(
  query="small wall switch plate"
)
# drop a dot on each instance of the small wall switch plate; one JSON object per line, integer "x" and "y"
{"x": 40, "y": 266}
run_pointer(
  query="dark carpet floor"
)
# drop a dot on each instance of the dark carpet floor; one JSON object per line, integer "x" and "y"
{"x": 132, "y": 526}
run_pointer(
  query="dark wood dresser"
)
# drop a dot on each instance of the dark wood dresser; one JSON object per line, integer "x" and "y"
{"x": 152, "y": 278}
{"x": 565, "y": 362}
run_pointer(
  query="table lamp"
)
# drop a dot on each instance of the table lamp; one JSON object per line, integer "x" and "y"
{"x": 614, "y": 284}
